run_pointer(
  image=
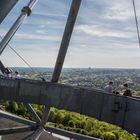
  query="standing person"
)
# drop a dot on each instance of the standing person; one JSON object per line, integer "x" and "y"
{"x": 127, "y": 91}
{"x": 17, "y": 74}
{"x": 109, "y": 87}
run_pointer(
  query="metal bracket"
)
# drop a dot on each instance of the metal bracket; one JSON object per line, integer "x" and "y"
{"x": 127, "y": 106}
{"x": 117, "y": 106}
{"x": 26, "y": 10}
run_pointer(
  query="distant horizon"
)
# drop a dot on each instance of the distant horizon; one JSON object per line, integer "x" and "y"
{"x": 78, "y": 67}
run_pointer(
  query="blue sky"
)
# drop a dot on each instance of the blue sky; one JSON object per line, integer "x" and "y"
{"x": 104, "y": 35}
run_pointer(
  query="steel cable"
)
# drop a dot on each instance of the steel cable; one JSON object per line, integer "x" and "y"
{"x": 136, "y": 20}
{"x": 41, "y": 76}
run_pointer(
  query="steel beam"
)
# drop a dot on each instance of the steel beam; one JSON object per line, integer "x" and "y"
{"x": 16, "y": 118}
{"x": 36, "y": 134}
{"x": 12, "y": 130}
{"x": 32, "y": 112}
{"x": 24, "y": 13}
{"x": 136, "y": 20}
{"x": 66, "y": 39}
{"x": 46, "y": 112}
{"x": 64, "y": 44}
{"x": 5, "y": 7}
{"x": 28, "y": 136}
{"x": 69, "y": 134}
{"x": 2, "y": 68}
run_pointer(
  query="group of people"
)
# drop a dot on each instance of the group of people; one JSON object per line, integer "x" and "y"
{"x": 109, "y": 89}
{"x": 9, "y": 73}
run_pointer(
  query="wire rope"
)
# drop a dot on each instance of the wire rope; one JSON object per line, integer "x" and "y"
{"x": 136, "y": 20}
{"x": 41, "y": 76}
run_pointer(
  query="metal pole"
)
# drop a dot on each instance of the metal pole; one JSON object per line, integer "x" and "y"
{"x": 136, "y": 20}
{"x": 16, "y": 118}
{"x": 46, "y": 112}
{"x": 19, "y": 129}
{"x": 5, "y": 8}
{"x": 36, "y": 134}
{"x": 24, "y": 13}
{"x": 63, "y": 48}
{"x": 66, "y": 39}
{"x": 73, "y": 135}
{"x": 2, "y": 68}
{"x": 32, "y": 112}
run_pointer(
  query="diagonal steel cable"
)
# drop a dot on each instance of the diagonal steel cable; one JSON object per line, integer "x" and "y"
{"x": 136, "y": 20}
{"x": 33, "y": 70}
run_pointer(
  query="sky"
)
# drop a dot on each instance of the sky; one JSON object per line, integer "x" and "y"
{"x": 104, "y": 35}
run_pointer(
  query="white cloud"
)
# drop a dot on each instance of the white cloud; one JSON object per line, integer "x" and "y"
{"x": 104, "y": 32}
{"x": 120, "y": 10}
{"x": 42, "y": 26}
{"x": 104, "y": 36}
{"x": 2, "y": 32}
{"x": 23, "y": 36}
{"x": 49, "y": 14}
{"x": 40, "y": 31}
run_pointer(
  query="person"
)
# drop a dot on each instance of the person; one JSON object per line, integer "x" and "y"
{"x": 116, "y": 92}
{"x": 17, "y": 74}
{"x": 109, "y": 87}
{"x": 127, "y": 91}
{"x": 8, "y": 72}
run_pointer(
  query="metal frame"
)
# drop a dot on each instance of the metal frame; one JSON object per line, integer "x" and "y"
{"x": 2, "y": 67}
{"x": 63, "y": 48}
{"x": 16, "y": 118}
{"x": 39, "y": 126}
{"x": 16, "y": 25}
{"x": 24, "y": 13}
{"x": 6, "y": 6}
{"x": 56, "y": 74}
{"x": 66, "y": 39}
{"x": 69, "y": 134}
{"x": 32, "y": 112}
{"x": 12, "y": 130}
{"x": 36, "y": 134}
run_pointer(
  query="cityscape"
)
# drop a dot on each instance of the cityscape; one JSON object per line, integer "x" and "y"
{"x": 96, "y": 78}
{"x": 93, "y": 92}
{"x": 87, "y": 78}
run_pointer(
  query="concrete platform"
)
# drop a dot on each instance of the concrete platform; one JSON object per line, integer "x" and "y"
{"x": 20, "y": 136}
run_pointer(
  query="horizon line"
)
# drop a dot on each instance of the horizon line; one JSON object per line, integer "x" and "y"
{"x": 79, "y": 67}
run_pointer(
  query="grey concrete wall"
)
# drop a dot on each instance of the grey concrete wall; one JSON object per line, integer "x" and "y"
{"x": 112, "y": 109}
{"x": 8, "y": 88}
{"x": 92, "y": 103}
{"x": 132, "y": 116}
{"x": 119, "y": 110}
